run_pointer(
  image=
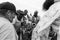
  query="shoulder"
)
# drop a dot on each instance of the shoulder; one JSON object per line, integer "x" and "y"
{"x": 55, "y": 6}
{"x": 5, "y": 23}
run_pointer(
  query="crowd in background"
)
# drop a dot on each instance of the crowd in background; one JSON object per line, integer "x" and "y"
{"x": 26, "y": 24}
{"x": 16, "y": 24}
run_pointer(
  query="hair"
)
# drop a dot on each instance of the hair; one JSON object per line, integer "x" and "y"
{"x": 35, "y": 13}
{"x": 20, "y": 14}
{"x": 8, "y": 6}
{"x": 47, "y": 4}
{"x": 25, "y": 12}
{"x": 3, "y": 11}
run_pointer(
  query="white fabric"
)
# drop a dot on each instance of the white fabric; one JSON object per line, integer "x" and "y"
{"x": 15, "y": 20}
{"x": 7, "y": 31}
{"x": 46, "y": 20}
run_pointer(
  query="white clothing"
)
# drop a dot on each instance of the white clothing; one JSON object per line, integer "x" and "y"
{"x": 42, "y": 27}
{"x": 7, "y": 30}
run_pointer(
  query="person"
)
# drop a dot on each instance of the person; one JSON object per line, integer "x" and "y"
{"x": 25, "y": 12}
{"x": 35, "y": 18}
{"x": 7, "y": 13}
{"x": 35, "y": 14}
{"x": 41, "y": 31}
{"x": 17, "y": 23}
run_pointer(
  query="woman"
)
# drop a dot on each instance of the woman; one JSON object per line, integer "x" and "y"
{"x": 42, "y": 29}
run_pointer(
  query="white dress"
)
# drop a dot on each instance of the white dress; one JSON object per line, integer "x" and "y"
{"x": 41, "y": 31}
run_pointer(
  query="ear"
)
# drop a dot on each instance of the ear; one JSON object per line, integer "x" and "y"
{"x": 8, "y": 12}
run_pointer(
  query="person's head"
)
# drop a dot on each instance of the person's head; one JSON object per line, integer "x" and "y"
{"x": 47, "y": 4}
{"x": 35, "y": 13}
{"x": 7, "y": 10}
{"x": 20, "y": 14}
{"x": 25, "y": 12}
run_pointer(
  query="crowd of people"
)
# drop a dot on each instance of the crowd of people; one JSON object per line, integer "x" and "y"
{"x": 16, "y": 24}
{"x": 25, "y": 24}
{"x": 19, "y": 25}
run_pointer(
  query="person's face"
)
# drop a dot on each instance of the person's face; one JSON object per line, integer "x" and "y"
{"x": 11, "y": 15}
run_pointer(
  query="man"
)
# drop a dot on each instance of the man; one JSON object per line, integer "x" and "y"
{"x": 35, "y": 18}
{"x": 42, "y": 29}
{"x": 7, "y": 13}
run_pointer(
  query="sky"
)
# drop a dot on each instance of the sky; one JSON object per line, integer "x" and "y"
{"x": 30, "y": 5}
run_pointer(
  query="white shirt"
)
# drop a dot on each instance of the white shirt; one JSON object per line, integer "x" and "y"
{"x": 7, "y": 30}
{"x": 42, "y": 28}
